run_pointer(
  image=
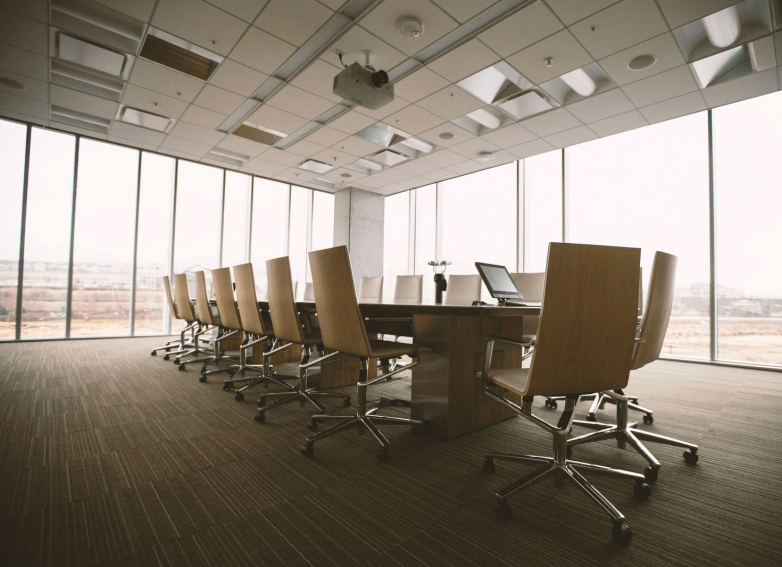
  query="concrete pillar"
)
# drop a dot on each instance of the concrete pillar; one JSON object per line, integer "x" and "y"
{"x": 358, "y": 224}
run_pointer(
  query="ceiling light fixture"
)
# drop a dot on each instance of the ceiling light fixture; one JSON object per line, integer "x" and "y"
{"x": 485, "y": 118}
{"x": 642, "y": 62}
{"x": 445, "y": 136}
{"x": 580, "y": 82}
{"x": 723, "y": 27}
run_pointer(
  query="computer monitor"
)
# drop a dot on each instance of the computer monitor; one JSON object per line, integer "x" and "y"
{"x": 498, "y": 281}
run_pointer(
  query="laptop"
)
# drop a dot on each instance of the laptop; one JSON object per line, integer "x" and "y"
{"x": 501, "y": 285}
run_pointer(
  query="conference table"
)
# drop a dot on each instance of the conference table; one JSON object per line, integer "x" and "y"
{"x": 446, "y": 389}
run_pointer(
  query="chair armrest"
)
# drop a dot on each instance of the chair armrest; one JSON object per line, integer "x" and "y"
{"x": 508, "y": 340}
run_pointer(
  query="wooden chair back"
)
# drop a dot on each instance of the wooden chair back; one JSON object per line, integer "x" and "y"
{"x": 530, "y": 284}
{"x": 247, "y": 300}
{"x": 309, "y": 291}
{"x": 282, "y": 301}
{"x": 370, "y": 290}
{"x": 184, "y": 308}
{"x": 588, "y": 320}
{"x": 171, "y": 304}
{"x": 224, "y": 294}
{"x": 409, "y": 289}
{"x": 658, "y": 310}
{"x": 203, "y": 311}
{"x": 341, "y": 323}
{"x": 463, "y": 288}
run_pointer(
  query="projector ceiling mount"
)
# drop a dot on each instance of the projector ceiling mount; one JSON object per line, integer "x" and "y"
{"x": 363, "y": 85}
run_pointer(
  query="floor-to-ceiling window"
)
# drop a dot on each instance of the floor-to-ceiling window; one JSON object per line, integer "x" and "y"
{"x": 297, "y": 234}
{"x": 269, "y": 227}
{"x": 396, "y": 240}
{"x": 748, "y": 193}
{"x": 542, "y": 208}
{"x": 426, "y": 235}
{"x": 236, "y": 218}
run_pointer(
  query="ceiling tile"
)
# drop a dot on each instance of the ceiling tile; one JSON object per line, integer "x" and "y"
{"x": 350, "y": 123}
{"x": 276, "y": 119}
{"x": 188, "y": 146}
{"x": 255, "y": 42}
{"x": 333, "y": 4}
{"x": 242, "y": 145}
{"x": 23, "y": 105}
{"x": 465, "y": 60}
{"x": 551, "y": 122}
{"x": 305, "y": 148}
{"x": 219, "y": 100}
{"x": 532, "y": 148}
{"x": 92, "y": 134}
{"x": 237, "y": 78}
{"x": 373, "y": 182}
{"x": 23, "y": 62}
{"x": 522, "y": 29}
{"x": 463, "y": 10}
{"x": 394, "y": 106}
{"x": 35, "y": 9}
{"x": 139, "y": 9}
{"x": 296, "y": 175}
{"x": 439, "y": 175}
{"x": 620, "y": 26}
{"x": 156, "y": 103}
{"x": 179, "y": 154}
{"x": 353, "y": 44}
{"x": 199, "y": 22}
{"x": 130, "y": 132}
{"x": 679, "y": 13}
{"x": 660, "y": 87}
{"x": 512, "y": 135}
{"x": 443, "y": 158}
{"x": 601, "y": 106}
{"x": 450, "y": 103}
{"x": 279, "y": 156}
{"x": 164, "y": 80}
{"x": 673, "y": 108}
{"x": 383, "y": 21}
{"x": 196, "y": 133}
{"x": 299, "y": 102}
{"x": 740, "y": 89}
{"x": 247, "y": 10}
{"x": 36, "y": 90}
{"x": 318, "y": 78}
{"x": 570, "y": 12}
{"x": 293, "y": 20}
{"x": 203, "y": 117}
{"x": 465, "y": 167}
{"x": 392, "y": 175}
{"x": 334, "y": 157}
{"x": 571, "y": 137}
{"x": 82, "y": 102}
{"x": 433, "y": 135}
{"x": 419, "y": 84}
{"x": 356, "y": 146}
{"x": 416, "y": 167}
{"x": 562, "y": 47}
{"x": 24, "y": 33}
{"x": 326, "y": 136}
{"x": 662, "y": 47}
{"x": 263, "y": 167}
{"x": 620, "y": 123}
{"x": 474, "y": 147}
{"x": 414, "y": 120}
{"x": 26, "y": 117}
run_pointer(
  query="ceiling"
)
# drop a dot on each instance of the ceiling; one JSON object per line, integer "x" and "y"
{"x": 275, "y": 62}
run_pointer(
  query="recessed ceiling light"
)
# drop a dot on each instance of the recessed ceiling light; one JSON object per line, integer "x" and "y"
{"x": 445, "y": 136}
{"x": 345, "y": 175}
{"x": 642, "y": 62}
{"x": 411, "y": 27}
{"x": 11, "y": 84}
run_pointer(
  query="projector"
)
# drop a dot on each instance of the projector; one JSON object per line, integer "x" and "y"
{"x": 365, "y": 87}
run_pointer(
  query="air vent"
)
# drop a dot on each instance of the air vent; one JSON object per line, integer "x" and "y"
{"x": 257, "y": 133}
{"x": 227, "y": 156}
{"x": 90, "y": 55}
{"x": 84, "y": 80}
{"x": 315, "y": 166}
{"x": 180, "y": 55}
{"x": 80, "y": 119}
{"x": 145, "y": 119}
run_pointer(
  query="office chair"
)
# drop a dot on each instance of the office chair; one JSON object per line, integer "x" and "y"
{"x": 409, "y": 289}
{"x": 190, "y": 326}
{"x": 288, "y": 327}
{"x": 309, "y": 292}
{"x": 651, "y": 337}
{"x": 463, "y": 288}
{"x": 343, "y": 331}
{"x": 564, "y": 363}
{"x": 184, "y": 309}
{"x": 370, "y": 290}
{"x": 531, "y": 288}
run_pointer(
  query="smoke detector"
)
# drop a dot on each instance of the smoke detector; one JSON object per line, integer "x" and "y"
{"x": 411, "y": 27}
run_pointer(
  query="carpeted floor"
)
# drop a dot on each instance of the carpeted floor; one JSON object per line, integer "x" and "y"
{"x": 111, "y": 457}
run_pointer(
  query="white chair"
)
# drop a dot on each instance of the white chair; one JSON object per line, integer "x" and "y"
{"x": 463, "y": 288}
{"x": 309, "y": 292}
{"x": 371, "y": 290}
{"x": 409, "y": 289}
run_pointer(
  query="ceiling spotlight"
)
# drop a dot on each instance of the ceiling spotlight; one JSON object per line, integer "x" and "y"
{"x": 11, "y": 84}
{"x": 549, "y": 61}
{"x": 723, "y": 27}
{"x": 642, "y": 62}
{"x": 411, "y": 27}
{"x": 580, "y": 82}
{"x": 445, "y": 136}
{"x": 486, "y": 156}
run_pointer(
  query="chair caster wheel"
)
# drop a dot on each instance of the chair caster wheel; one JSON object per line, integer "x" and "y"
{"x": 202, "y": 378}
{"x": 166, "y": 357}
{"x": 642, "y": 490}
{"x": 346, "y": 403}
{"x": 307, "y": 450}
{"x": 260, "y": 417}
{"x": 488, "y": 465}
{"x": 176, "y": 360}
{"x": 261, "y": 402}
{"x": 504, "y": 511}
{"x": 181, "y": 367}
{"x": 226, "y": 387}
{"x": 239, "y": 397}
{"x": 383, "y": 455}
{"x": 569, "y": 452}
{"x": 591, "y": 417}
{"x": 551, "y": 404}
{"x": 691, "y": 456}
{"x": 312, "y": 425}
{"x": 153, "y": 353}
{"x": 648, "y": 418}
{"x": 622, "y": 533}
{"x": 650, "y": 474}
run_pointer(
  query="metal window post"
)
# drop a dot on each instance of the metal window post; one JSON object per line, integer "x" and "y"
{"x": 222, "y": 225}
{"x": 69, "y": 293}
{"x": 23, "y": 226}
{"x": 171, "y": 242}
{"x": 250, "y": 219}
{"x": 411, "y": 230}
{"x": 520, "y": 215}
{"x": 135, "y": 253}
{"x": 713, "y": 299}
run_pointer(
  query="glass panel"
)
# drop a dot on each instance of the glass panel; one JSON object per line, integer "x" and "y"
{"x": 298, "y": 234}
{"x": 542, "y": 208}
{"x": 154, "y": 242}
{"x": 482, "y": 233}
{"x": 425, "y": 228}
{"x": 747, "y": 138}
{"x": 396, "y": 233}
{"x": 236, "y": 218}
{"x": 269, "y": 228}
{"x": 14, "y": 142}
{"x": 322, "y": 227}
{"x": 649, "y": 188}
{"x": 199, "y": 201}
{"x": 104, "y": 239}
{"x": 47, "y": 234}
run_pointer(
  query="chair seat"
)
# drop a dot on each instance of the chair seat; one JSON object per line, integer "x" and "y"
{"x": 389, "y": 349}
{"x": 513, "y": 379}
